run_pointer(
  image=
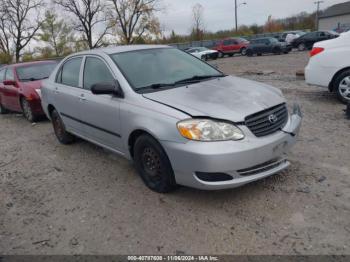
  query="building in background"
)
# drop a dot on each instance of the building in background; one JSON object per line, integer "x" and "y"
{"x": 336, "y": 17}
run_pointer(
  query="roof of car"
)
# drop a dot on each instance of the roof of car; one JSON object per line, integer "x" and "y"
{"x": 121, "y": 49}
{"x": 31, "y": 63}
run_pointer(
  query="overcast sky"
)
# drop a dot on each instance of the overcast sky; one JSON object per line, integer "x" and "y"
{"x": 219, "y": 14}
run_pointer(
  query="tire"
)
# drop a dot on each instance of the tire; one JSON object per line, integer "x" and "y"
{"x": 221, "y": 55}
{"x": 342, "y": 86}
{"x": 276, "y": 51}
{"x": 244, "y": 51}
{"x": 301, "y": 47}
{"x": 153, "y": 165}
{"x": 249, "y": 53}
{"x": 3, "y": 110}
{"x": 259, "y": 54}
{"x": 61, "y": 133}
{"x": 27, "y": 111}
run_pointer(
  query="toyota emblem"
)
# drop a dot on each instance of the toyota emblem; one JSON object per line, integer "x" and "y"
{"x": 273, "y": 118}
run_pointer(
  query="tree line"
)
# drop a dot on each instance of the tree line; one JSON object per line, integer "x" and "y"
{"x": 55, "y": 28}
{"x": 66, "y": 26}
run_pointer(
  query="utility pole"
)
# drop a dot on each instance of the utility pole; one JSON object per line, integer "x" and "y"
{"x": 236, "y": 12}
{"x": 318, "y": 3}
{"x": 236, "y": 15}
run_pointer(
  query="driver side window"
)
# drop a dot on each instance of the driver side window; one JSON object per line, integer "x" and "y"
{"x": 96, "y": 71}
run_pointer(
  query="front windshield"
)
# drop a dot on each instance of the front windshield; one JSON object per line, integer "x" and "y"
{"x": 35, "y": 72}
{"x": 143, "y": 68}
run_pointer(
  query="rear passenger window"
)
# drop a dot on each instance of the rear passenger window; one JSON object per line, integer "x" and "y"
{"x": 69, "y": 73}
{"x": 96, "y": 71}
{"x": 2, "y": 75}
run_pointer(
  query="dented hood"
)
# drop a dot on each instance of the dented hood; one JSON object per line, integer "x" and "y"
{"x": 229, "y": 98}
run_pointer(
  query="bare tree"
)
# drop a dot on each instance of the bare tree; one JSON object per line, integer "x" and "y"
{"x": 22, "y": 22}
{"x": 198, "y": 26}
{"x": 5, "y": 37}
{"x": 89, "y": 15}
{"x": 134, "y": 19}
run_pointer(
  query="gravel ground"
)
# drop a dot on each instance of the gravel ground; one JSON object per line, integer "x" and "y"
{"x": 80, "y": 199}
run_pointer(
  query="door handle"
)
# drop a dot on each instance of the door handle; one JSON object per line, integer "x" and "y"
{"x": 56, "y": 90}
{"x": 82, "y": 97}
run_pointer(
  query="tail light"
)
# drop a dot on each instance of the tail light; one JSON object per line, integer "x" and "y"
{"x": 316, "y": 51}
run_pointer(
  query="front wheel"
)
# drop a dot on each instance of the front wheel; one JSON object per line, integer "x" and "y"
{"x": 244, "y": 51}
{"x": 342, "y": 85}
{"x": 153, "y": 165}
{"x": 60, "y": 130}
{"x": 3, "y": 110}
{"x": 221, "y": 55}
{"x": 27, "y": 111}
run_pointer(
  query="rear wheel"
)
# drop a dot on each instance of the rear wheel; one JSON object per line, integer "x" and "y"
{"x": 342, "y": 86}
{"x": 27, "y": 111}
{"x": 60, "y": 130}
{"x": 301, "y": 47}
{"x": 153, "y": 165}
{"x": 3, "y": 110}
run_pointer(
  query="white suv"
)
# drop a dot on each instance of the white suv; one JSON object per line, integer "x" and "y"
{"x": 329, "y": 66}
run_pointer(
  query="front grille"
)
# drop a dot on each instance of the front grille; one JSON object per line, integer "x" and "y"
{"x": 268, "y": 121}
{"x": 262, "y": 167}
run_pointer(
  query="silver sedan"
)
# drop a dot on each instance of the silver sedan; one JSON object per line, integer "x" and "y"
{"x": 181, "y": 121}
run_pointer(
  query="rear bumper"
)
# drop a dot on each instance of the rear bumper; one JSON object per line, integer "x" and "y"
{"x": 244, "y": 161}
{"x": 319, "y": 75}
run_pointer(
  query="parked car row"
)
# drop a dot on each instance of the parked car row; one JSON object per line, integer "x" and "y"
{"x": 172, "y": 114}
{"x": 281, "y": 44}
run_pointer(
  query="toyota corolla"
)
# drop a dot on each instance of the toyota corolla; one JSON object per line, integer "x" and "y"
{"x": 180, "y": 120}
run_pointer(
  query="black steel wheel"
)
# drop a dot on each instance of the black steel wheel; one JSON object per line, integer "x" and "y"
{"x": 60, "y": 130}
{"x": 153, "y": 165}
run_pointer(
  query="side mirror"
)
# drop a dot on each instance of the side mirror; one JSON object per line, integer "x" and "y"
{"x": 107, "y": 89}
{"x": 10, "y": 83}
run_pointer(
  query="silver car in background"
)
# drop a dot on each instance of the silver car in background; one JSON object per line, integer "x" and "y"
{"x": 181, "y": 121}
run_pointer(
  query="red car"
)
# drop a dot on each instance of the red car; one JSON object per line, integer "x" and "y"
{"x": 231, "y": 46}
{"x": 20, "y": 87}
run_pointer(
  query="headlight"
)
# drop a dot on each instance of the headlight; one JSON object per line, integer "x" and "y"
{"x": 209, "y": 130}
{"x": 38, "y": 91}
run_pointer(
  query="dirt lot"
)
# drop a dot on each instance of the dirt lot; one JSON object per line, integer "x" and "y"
{"x": 81, "y": 199}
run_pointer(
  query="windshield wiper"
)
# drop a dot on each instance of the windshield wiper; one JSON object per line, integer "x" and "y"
{"x": 33, "y": 79}
{"x": 155, "y": 86}
{"x": 195, "y": 79}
